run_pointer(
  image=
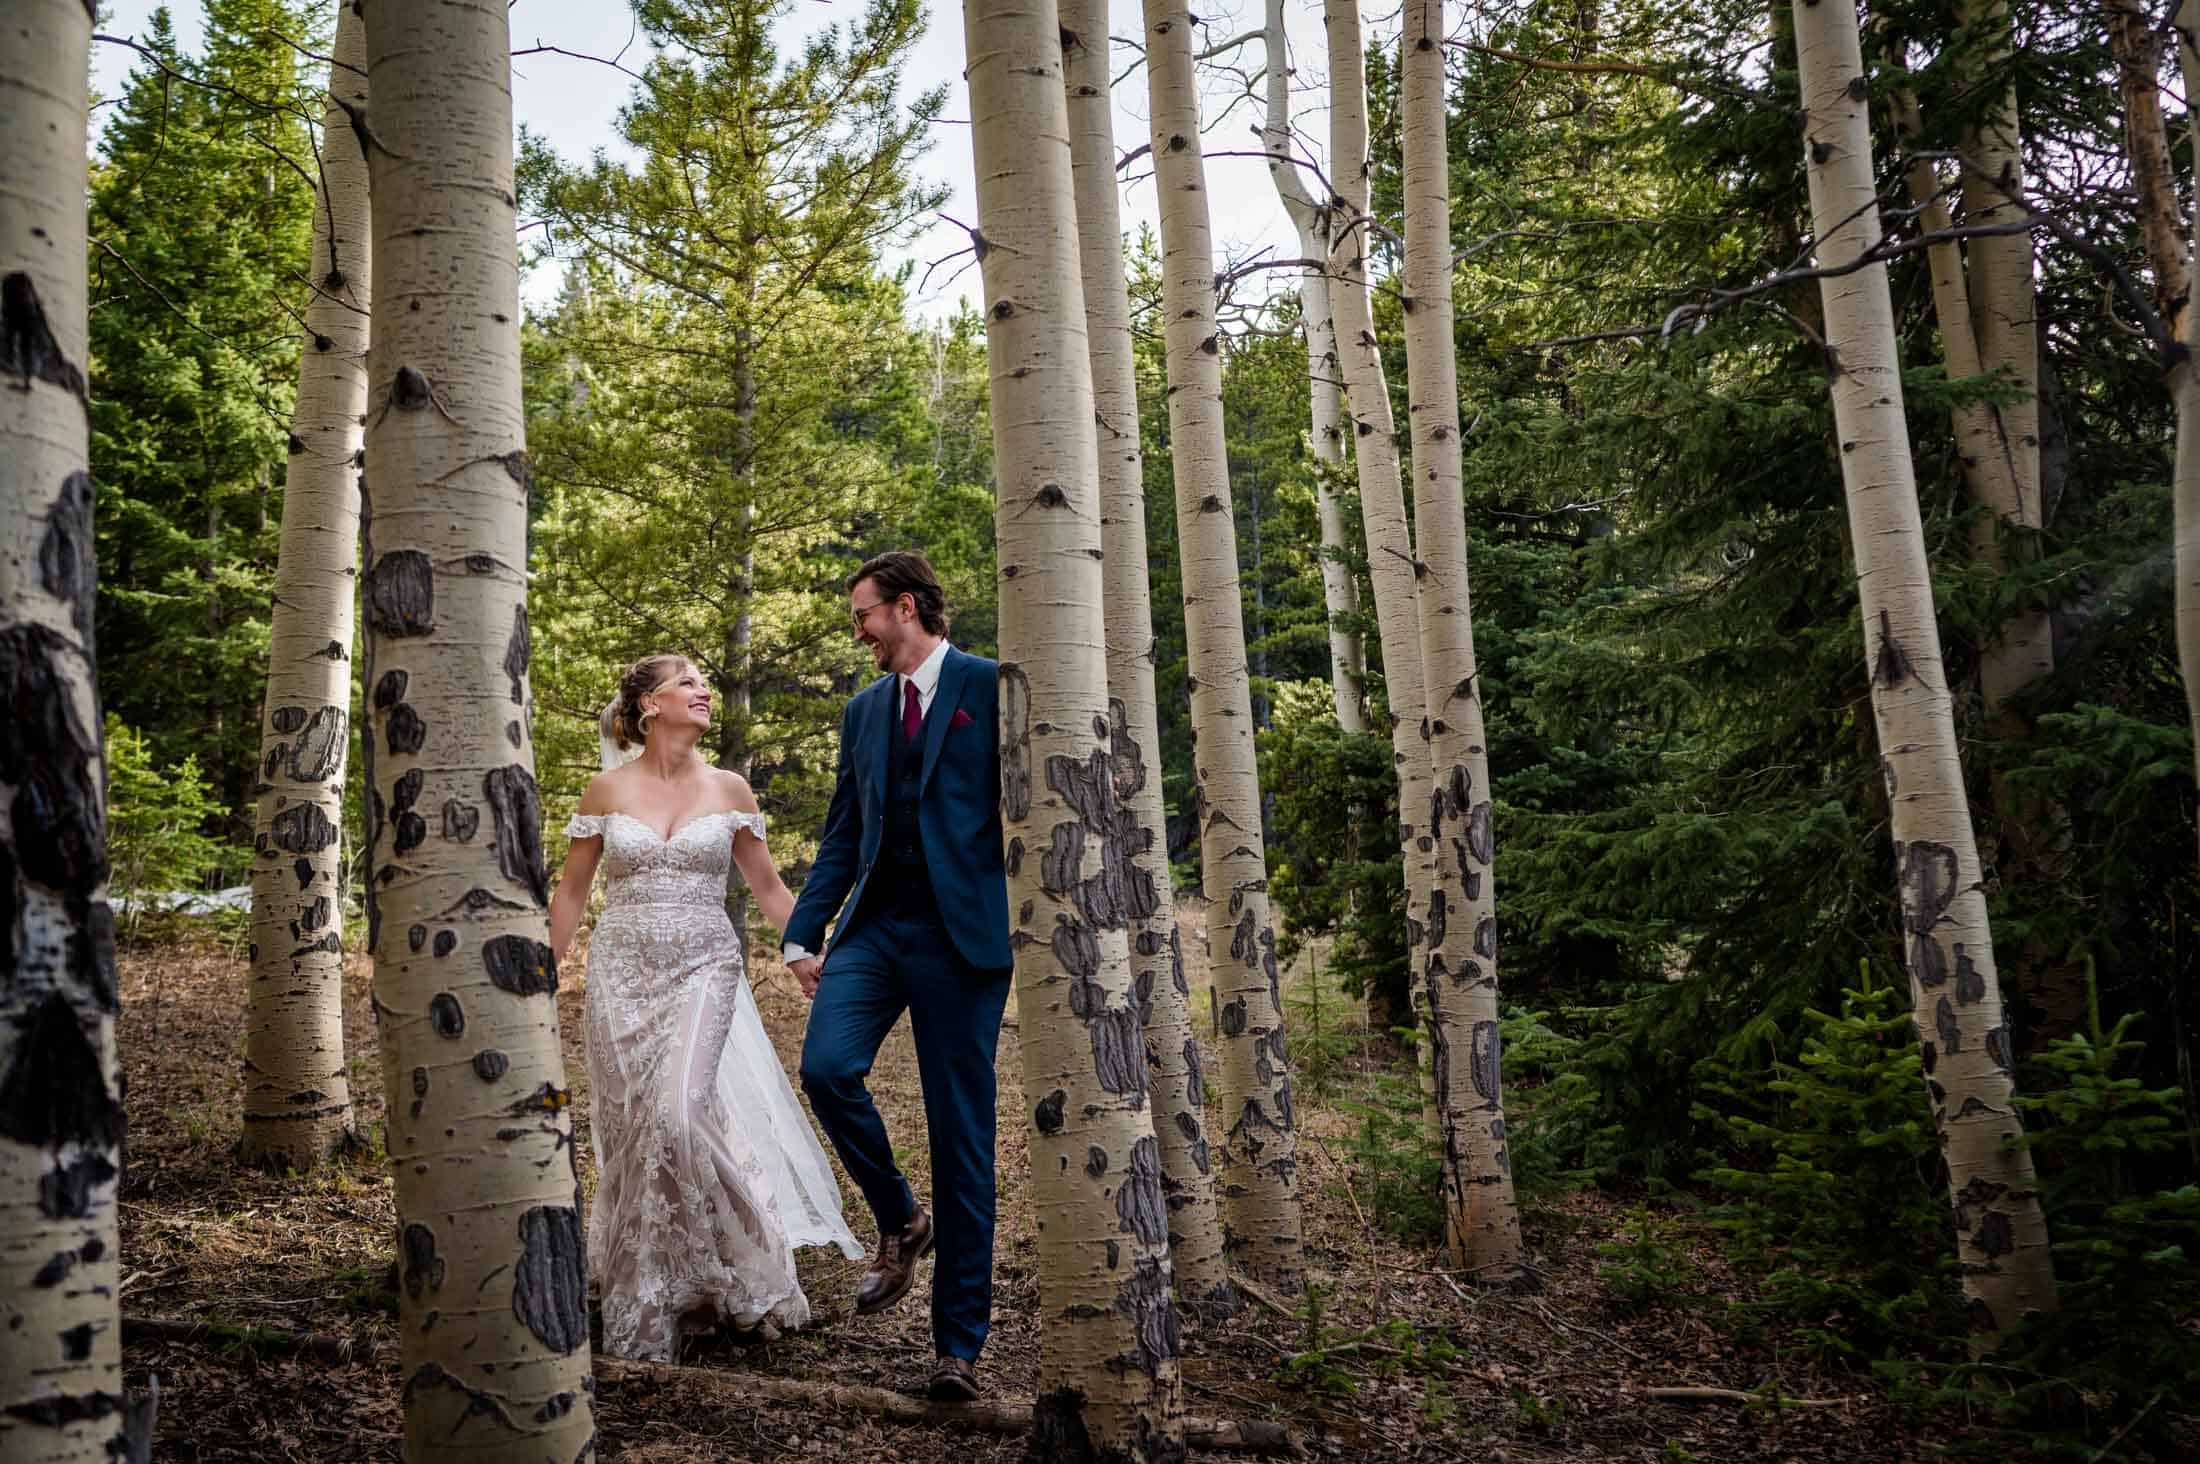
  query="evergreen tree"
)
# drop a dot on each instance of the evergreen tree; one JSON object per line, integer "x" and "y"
{"x": 724, "y": 384}
{"x": 201, "y": 211}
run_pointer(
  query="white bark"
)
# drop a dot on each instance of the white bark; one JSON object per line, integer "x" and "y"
{"x": 1459, "y": 977}
{"x": 493, "y": 1298}
{"x": 297, "y": 1095}
{"x": 1259, "y": 1163}
{"x": 2000, "y": 1229}
{"x": 1311, "y": 218}
{"x": 1109, "y": 1386}
{"x": 2003, "y": 313}
{"x": 1375, "y": 450}
{"x": 1157, "y": 959}
{"x": 60, "y": 1101}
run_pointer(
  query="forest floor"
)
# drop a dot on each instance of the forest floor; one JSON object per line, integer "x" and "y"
{"x": 1454, "y": 1372}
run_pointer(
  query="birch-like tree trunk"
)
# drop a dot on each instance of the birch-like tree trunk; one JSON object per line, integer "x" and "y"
{"x": 2168, "y": 237}
{"x": 1260, "y": 1189}
{"x": 1390, "y": 559}
{"x": 297, "y": 1093}
{"x": 2001, "y": 1231}
{"x": 1459, "y": 976}
{"x": 60, "y": 1098}
{"x": 493, "y": 1301}
{"x": 1310, "y": 219}
{"x": 1990, "y": 297}
{"x": 1109, "y": 1386}
{"x": 2004, "y": 324}
{"x": 1157, "y": 954}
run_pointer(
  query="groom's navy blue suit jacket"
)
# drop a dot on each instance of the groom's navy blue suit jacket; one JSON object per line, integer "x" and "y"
{"x": 959, "y": 812}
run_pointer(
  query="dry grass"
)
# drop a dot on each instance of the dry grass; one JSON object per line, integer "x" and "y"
{"x": 1543, "y": 1377}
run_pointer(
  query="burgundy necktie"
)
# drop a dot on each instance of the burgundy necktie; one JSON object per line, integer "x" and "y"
{"x": 912, "y": 715}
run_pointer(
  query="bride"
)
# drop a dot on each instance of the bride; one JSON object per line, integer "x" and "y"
{"x": 708, "y": 1174}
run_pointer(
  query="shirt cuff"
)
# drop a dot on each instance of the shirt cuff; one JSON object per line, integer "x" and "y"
{"x": 792, "y": 951}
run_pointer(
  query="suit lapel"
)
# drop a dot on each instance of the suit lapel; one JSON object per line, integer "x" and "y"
{"x": 878, "y": 758}
{"x": 945, "y": 698}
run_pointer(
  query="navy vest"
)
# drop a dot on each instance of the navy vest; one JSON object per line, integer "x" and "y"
{"x": 901, "y": 847}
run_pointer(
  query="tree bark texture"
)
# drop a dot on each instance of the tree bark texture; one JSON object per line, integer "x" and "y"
{"x": 1109, "y": 1383}
{"x": 1459, "y": 975}
{"x": 2001, "y": 1231}
{"x": 493, "y": 1305}
{"x": 1173, "y": 1055}
{"x": 2168, "y": 237}
{"x": 297, "y": 1093}
{"x": 1311, "y": 219}
{"x": 60, "y": 1098}
{"x": 1259, "y": 1159}
{"x": 2004, "y": 323}
{"x": 1390, "y": 558}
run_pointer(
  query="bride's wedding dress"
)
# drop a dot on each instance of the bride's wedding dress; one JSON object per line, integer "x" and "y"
{"x": 708, "y": 1173}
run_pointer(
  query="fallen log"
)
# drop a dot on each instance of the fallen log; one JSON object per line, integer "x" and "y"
{"x": 732, "y": 1389}
{"x": 244, "y": 1337}
{"x": 720, "y": 1387}
{"x": 1736, "y": 1395}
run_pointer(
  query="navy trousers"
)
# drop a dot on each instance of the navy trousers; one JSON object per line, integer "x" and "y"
{"x": 903, "y": 959}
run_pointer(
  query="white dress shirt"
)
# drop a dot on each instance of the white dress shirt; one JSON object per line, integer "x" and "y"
{"x": 926, "y": 679}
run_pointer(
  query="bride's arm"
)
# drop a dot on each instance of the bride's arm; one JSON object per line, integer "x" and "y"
{"x": 581, "y": 858}
{"x": 755, "y": 862}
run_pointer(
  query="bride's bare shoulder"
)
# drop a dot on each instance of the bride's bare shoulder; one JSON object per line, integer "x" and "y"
{"x": 735, "y": 790}
{"x": 601, "y": 794}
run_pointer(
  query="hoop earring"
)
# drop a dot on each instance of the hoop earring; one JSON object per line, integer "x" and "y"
{"x": 641, "y": 723}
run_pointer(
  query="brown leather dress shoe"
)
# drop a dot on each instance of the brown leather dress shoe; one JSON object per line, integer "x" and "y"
{"x": 890, "y": 1275}
{"x": 953, "y": 1381}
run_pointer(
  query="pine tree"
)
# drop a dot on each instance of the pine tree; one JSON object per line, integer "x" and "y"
{"x": 297, "y": 1096}
{"x": 701, "y": 392}
{"x": 1259, "y": 1165}
{"x": 2000, "y": 1229}
{"x": 1459, "y": 976}
{"x": 60, "y": 1096}
{"x": 1163, "y": 995}
{"x": 1109, "y": 1386}
{"x": 493, "y": 1305}
{"x": 201, "y": 216}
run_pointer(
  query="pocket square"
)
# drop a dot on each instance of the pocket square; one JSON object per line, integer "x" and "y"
{"x": 959, "y": 720}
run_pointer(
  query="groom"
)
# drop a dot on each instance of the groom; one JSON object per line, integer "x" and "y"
{"x": 913, "y": 843}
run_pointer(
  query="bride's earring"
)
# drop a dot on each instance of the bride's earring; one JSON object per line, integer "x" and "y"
{"x": 643, "y": 721}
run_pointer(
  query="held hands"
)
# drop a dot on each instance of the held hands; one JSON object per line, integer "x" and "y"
{"x": 807, "y": 971}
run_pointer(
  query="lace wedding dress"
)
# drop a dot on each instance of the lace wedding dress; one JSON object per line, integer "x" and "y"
{"x": 708, "y": 1173}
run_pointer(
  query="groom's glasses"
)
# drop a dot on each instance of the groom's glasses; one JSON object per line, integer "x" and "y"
{"x": 857, "y": 617}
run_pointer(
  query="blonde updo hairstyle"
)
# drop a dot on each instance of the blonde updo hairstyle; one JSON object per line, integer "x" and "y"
{"x": 625, "y": 722}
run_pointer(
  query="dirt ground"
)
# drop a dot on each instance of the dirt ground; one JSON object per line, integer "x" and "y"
{"x": 1561, "y": 1373}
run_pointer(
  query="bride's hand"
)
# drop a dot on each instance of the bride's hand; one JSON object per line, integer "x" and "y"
{"x": 808, "y": 972}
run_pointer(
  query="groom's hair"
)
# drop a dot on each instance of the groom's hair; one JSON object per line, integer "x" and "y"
{"x": 901, "y": 572}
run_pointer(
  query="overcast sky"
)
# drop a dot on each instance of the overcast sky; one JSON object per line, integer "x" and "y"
{"x": 572, "y": 103}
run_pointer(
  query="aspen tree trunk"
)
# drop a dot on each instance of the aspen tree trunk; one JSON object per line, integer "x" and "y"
{"x": 1109, "y": 1386}
{"x": 493, "y": 1305}
{"x": 1998, "y": 446}
{"x": 2000, "y": 1229}
{"x": 2003, "y": 312}
{"x": 1459, "y": 977}
{"x": 2168, "y": 239}
{"x": 297, "y": 1094}
{"x": 1375, "y": 451}
{"x": 2185, "y": 388}
{"x": 1325, "y": 385}
{"x": 1259, "y": 1158}
{"x": 60, "y": 1097}
{"x": 1157, "y": 954}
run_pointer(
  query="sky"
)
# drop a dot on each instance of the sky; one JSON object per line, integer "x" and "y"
{"x": 572, "y": 104}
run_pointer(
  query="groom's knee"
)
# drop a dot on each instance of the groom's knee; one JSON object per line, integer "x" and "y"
{"x": 829, "y": 1075}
